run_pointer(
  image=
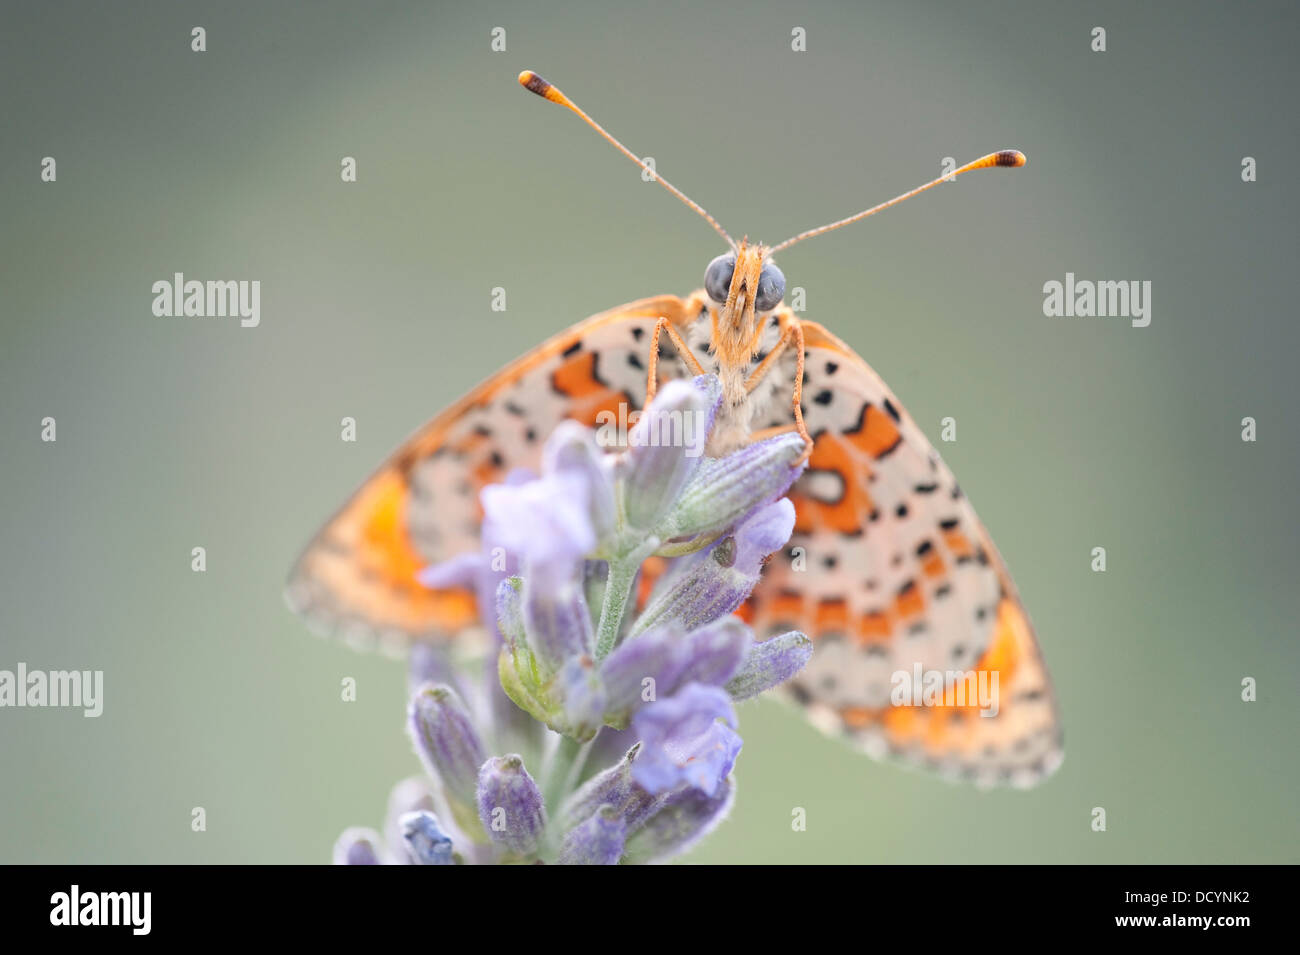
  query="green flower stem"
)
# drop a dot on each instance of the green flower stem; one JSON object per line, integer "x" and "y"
{"x": 618, "y": 591}
{"x": 563, "y": 773}
{"x": 618, "y": 594}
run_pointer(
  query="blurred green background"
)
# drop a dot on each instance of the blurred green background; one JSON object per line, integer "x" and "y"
{"x": 1072, "y": 433}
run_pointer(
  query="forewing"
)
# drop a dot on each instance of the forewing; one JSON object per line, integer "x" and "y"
{"x": 357, "y": 577}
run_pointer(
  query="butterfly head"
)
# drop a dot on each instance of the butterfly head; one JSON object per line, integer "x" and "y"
{"x": 746, "y": 285}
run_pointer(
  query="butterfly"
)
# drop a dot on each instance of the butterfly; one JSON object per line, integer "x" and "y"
{"x": 889, "y": 569}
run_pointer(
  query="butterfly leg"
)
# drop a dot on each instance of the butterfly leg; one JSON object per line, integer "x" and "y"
{"x": 652, "y": 372}
{"x": 793, "y": 333}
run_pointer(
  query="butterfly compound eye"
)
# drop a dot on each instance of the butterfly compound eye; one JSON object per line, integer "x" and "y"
{"x": 771, "y": 288}
{"x": 717, "y": 277}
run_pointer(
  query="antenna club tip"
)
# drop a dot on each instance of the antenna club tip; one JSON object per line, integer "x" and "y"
{"x": 1010, "y": 157}
{"x": 535, "y": 83}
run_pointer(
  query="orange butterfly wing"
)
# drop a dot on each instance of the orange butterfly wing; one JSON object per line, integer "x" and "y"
{"x": 357, "y": 577}
{"x": 904, "y": 573}
{"x": 898, "y": 572}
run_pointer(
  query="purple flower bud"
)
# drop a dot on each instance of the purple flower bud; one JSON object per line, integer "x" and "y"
{"x": 611, "y": 787}
{"x": 449, "y": 746}
{"x": 510, "y": 610}
{"x": 655, "y": 664}
{"x": 705, "y": 586}
{"x": 519, "y": 711}
{"x": 687, "y": 739}
{"x": 583, "y": 697}
{"x": 770, "y": 664}
{"x": 640, "y": 669}
{"x": 723, "y": 490}
{"x": 598, "y": 840}
{"x": 357, "y": 847}
{"x": 683, "y": 819}
{"x": 715, "y": 652}
{"x": 410, "y": 795}
{"x": 556, "y": 618}
{"x": 572, "y": 451}
{"x": 666, "y": 447}
{"x": 510, "y": 805}
{"x": 427, "y": 843}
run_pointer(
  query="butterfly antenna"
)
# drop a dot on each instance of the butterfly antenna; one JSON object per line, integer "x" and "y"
{"x": 535, "y": 84}
{"x": 1006, "y": 157}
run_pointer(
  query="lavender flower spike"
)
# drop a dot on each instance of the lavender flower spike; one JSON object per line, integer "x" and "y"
{"x": 556, "y": 580}
{"x": 510, "y": 805}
